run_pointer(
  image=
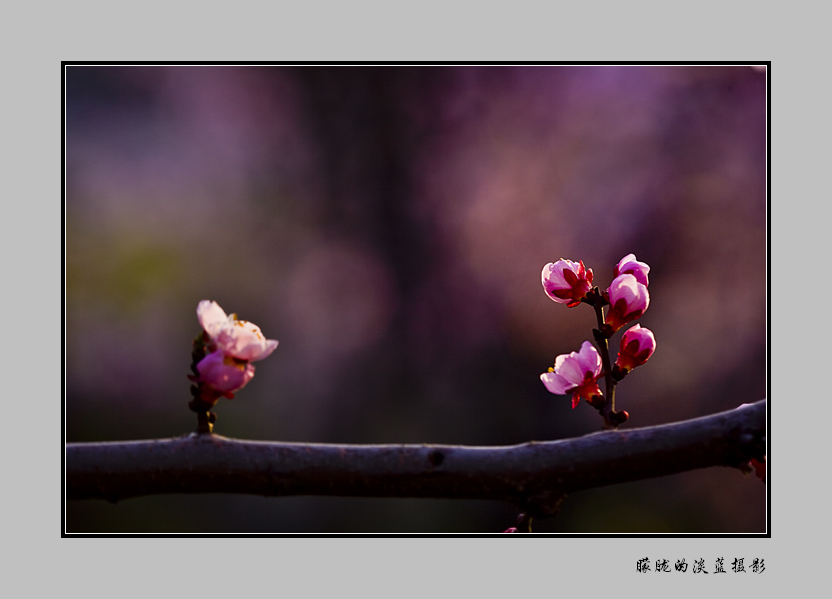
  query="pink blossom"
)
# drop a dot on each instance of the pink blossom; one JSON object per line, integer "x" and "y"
{"x": 629, "y": 265}
{"x": 575, "y": 373}
{"x": 236, "y": 338}
{"x": 637, "y": 345}
{"x": 224, "y": 374}
{"x": 759, "y": 468}
{"x": 628, "y": 300}
{"x": 567, "y": 282}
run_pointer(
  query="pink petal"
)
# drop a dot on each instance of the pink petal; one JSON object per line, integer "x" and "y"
{"x": 245, "y": 341}
{"x": 555, "y": 384}
{"x": 643, "y": 337}
{"x": 634, "y": 294}
{"x": 211, "y": 317}
{"x": 221, "y": 373}
{"x": 571, "y": 369}
{"x": 589, "y": 359}
{"x": 629, "y": 264}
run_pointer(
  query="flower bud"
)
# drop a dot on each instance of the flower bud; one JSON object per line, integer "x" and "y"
{"x": 576, "y": 373}
{"x": 628, "y": 300}
{"x": 567, "y": 282}
{"x": 224, "y": 374}
{"x": 629, "y": 265}
{"x": 619, "y": 418}
{"x": 637, "y": 345}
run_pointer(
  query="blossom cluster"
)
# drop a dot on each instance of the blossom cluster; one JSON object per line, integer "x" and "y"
{"x": 229, "y": 346}
{"x": 577, "y": 373}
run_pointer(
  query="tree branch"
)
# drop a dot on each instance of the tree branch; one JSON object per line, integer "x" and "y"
{"x": 535, "y": 476}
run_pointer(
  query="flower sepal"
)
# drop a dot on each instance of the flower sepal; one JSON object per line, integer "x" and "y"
{"x": 597, "y": 401}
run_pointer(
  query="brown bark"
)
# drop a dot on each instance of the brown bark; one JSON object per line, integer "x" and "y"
{"x": 534, "y": 476}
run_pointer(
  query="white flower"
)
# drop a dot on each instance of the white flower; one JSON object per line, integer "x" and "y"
{"x": 239, "y": 339}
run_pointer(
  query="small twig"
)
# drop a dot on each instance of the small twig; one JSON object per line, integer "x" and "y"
{"x": 596, "y": 300}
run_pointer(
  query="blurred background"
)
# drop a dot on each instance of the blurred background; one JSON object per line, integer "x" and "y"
{"x": 388, "y": 225}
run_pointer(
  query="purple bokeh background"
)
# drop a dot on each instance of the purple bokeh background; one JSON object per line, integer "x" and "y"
{"x": 388, "y": 226}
